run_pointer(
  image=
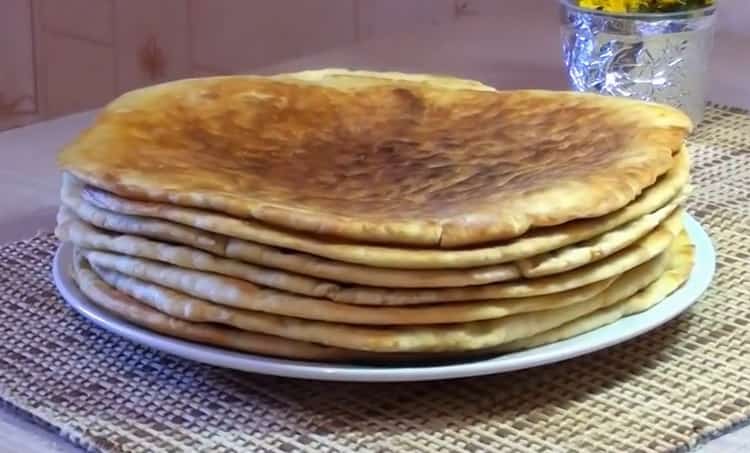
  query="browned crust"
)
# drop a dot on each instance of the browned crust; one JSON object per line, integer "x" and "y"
{"x": 396, "y": 163}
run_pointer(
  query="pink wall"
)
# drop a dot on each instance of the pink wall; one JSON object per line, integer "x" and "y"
{"x": 63, "y": 56}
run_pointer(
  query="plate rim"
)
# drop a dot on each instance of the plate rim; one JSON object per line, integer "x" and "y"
{"x": 630, "y": 327}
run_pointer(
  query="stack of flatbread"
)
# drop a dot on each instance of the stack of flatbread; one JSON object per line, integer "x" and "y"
{"x": 342, "y": 215}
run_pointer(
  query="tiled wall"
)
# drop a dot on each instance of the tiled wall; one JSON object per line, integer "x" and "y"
{"x": 63, "y": 56}
{"x": 18, "y": 99}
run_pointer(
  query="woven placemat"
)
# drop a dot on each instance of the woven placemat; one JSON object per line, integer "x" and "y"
{"x": 667, "y": 390}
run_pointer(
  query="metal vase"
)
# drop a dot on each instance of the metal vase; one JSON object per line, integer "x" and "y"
{"x": 660, "y": 57}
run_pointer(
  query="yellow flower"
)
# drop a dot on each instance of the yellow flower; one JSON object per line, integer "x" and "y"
{"x": 631, "y": 6}
{"x": 612, "y": 6}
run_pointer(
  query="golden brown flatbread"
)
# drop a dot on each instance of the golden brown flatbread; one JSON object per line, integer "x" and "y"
{"x": 342, "y": 301}
{"x": 83, "y": 235}
{"x": 141, "y": 314}
{"x": 403, "y": 162}
{"x": 600, "y": 247}
{"x": 676, "y": 275}
{"x": 133, "y": 248}
{"x": 142, "y": 228}
{"x": 247, "y": 240}
{"x": 238, "y": 293}
{"x": 426, "y": 338}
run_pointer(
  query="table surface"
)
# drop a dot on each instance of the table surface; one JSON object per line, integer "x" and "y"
{"x": 29, "y": 179}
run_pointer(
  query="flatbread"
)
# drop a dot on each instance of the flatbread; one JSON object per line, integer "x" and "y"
{"x": 582, "y": 253}
{"x": 86, "y": 236}
{"x": 141, "y": 226}
{"x": 678, "y": 274}
{"x": 70, "y": 228}
{"x": 255, "y": 235}
{"x": 232, "y": 291}
{"x": 236, "y": 292}
{"x": 649, "y": 246}
{"x": 135, "y": 312}
{"x": 140, "y": 314}
{"x": 403, "y": 162}
{"x": 242, "y": 294}
{"x": 273, "y": 257}
{"x": 429, "y": 338}
{"x": 570, "y": 258}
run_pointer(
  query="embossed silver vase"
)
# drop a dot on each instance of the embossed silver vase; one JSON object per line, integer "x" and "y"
{"x": 661, "y": 57}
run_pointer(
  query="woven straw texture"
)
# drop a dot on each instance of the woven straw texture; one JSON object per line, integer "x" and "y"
{"x": 668, "y": 390}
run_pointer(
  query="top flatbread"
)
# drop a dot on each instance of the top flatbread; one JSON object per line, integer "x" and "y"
{"x": 392, "y": 161}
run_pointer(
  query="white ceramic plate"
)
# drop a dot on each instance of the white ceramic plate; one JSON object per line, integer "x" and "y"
{"x": 606, "y": 336}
